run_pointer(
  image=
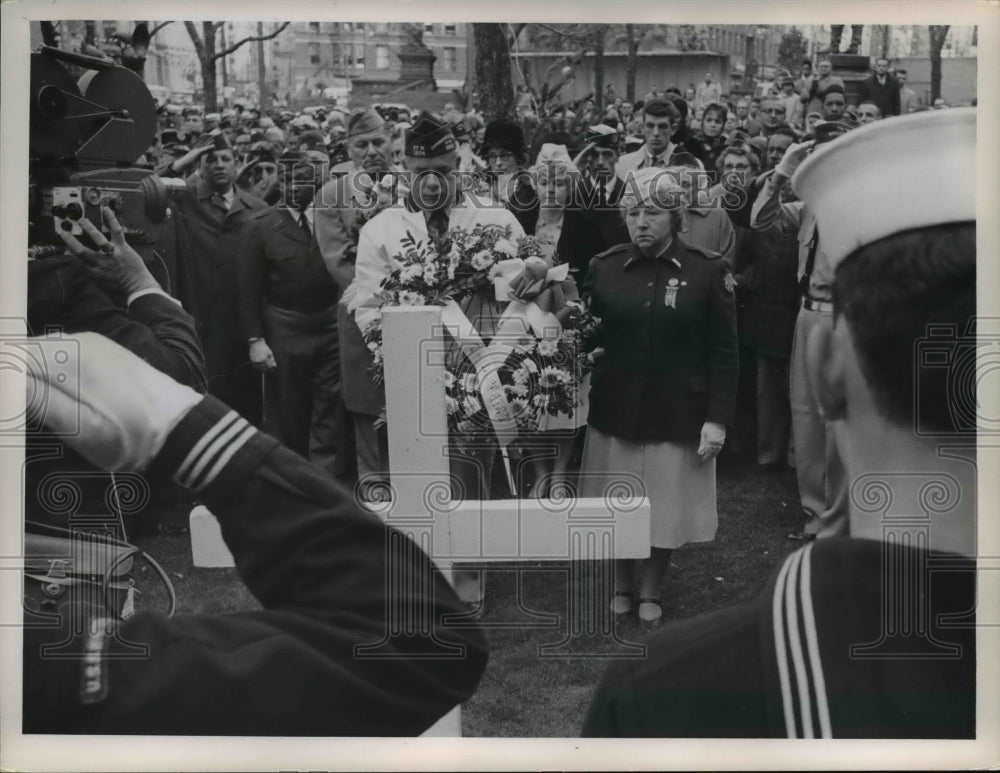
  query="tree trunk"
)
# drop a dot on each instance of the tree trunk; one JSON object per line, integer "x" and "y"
{"x": 631, "y": 62}
{"x": 885, "y": 40}
{"x": 208, "y": 81}
{"x": 938, "y": 33}
{"x": 496, "y": 90}
{"x": 600, "y": 31}
{"x": 223, "y": 64}
{"x": 261, "y": 70}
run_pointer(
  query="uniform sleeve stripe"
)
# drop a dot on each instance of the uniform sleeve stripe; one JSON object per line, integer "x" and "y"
{"x": 211, "y": 453}
{"x": 795, "y": 645}
{"x": 812, "y": 644}
{"x": 226, "y": 455}
{"x": 207, "y": 438}
{"x": 779, "y": 648}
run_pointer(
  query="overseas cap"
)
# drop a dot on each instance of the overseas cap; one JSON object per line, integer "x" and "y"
{"x": 848, "y": 182}
{"x": 429, "y": 137}
{"x": 364, "y": 121}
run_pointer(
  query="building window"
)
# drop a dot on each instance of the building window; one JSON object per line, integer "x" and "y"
{"x": 110, "y": 28}
{"x": 449, "y": 29}
{"x": 314, "y": 53}
{"x": 449, "y": 58}
{"x": 359, "y": 56}
{"x": 360, "y": 26}
{"x": 429, "y": 29}
{"x": 314, "y": 26}
{"x": 347, "y": 26}
{"x": 381, "y": 57}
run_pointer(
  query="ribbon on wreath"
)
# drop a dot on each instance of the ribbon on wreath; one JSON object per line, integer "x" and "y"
{"x": 486, "y": 359}
{"x": 538, "y": 296}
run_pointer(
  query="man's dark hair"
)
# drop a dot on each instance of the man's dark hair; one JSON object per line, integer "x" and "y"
{"x": 784, "y": 131}
{"x": 891, "y": 292}
{"x": 660, "y": 108}
{"x": 833, "y": 88}
{"x": 901, "y": 71}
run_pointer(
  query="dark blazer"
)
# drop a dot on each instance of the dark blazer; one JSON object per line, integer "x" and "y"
{"x": 886, "y": 97}
{"x": 665, "y": 369}
{"x": 524, "y": 206}
{"x": 282, "y": 266}
{"x": 607, "y": 219}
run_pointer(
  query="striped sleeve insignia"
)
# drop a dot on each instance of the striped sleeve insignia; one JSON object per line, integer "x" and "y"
{"x": 800, "y": 670}
{"x": 213, "y": 451}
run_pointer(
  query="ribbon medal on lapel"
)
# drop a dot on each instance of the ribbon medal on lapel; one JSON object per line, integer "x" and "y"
{"x": 670, "y": 298}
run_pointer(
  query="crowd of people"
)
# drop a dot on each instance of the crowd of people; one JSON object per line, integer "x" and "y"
{"x": 683, "y": 235}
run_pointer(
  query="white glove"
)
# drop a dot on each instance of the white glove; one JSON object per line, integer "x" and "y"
{"x": 713, "y": 436}
{"x": 794, "y": 155}
{"x": 261, "y": 356}
{"x": 106, "y": 403}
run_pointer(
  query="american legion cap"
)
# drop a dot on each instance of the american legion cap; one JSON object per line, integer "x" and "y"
{"x": 429, "y": 137}
{"x": 881, "y": 179}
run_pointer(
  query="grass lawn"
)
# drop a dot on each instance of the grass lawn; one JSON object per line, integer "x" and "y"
{"x": 540, "y": 678}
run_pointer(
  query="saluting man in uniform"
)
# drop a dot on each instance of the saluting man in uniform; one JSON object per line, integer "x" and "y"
{"x": 354, "y": 186}
{"x": 818, "y": 464}
{"x": 872, "y": 636}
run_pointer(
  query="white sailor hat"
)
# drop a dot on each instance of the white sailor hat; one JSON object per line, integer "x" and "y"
{"x": 891, "y": 176}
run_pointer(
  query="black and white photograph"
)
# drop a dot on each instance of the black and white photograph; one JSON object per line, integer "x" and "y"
{"x": 571, "y": 374}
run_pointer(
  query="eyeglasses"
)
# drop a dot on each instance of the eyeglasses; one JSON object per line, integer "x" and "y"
{"x": 504, "y": 156}
{"x": 773, "y": 111}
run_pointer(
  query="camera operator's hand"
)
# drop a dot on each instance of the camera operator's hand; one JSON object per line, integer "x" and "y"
{"x": 794, "y": 156}
{"x": 108, "y": 404}
{"x": 115, "y": 266}
{"x": 261, "y": 355}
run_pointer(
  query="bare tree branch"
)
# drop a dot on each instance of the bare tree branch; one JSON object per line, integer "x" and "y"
{"x": 199, "y": 44}
{"x": 159, "y": 27}
{"x": 217, "y": 25}
{"x": 251, "y": 39}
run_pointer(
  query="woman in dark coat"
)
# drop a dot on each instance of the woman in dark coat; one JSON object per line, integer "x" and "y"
{"x": 505, "y": 152}
{"x": 712, "y": 137}
{"x": 664, "y": 389}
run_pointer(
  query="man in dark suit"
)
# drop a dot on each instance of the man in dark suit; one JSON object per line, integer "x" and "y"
{"x": 881, "y": 88}
{"x": 288, "y": 315}
{"x": 213, "y": 214}
{"x": 601, "y": 191}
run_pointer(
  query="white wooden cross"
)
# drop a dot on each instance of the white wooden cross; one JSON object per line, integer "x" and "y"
{"x": 512, "y": 530}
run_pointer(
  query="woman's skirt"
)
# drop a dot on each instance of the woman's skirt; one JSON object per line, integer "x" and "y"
{"x": 679, "y": 485}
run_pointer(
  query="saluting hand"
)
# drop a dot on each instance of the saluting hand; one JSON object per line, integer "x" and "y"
{"x": 794, "y": 156}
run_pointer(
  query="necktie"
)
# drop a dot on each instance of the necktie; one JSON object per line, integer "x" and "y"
{"x": 437, "y": 225}
{"x": 602, "y": 197}
{"x": 304, "y": 225}
{"x": 218, "y": 201}
{"x": 656, "y": 161}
